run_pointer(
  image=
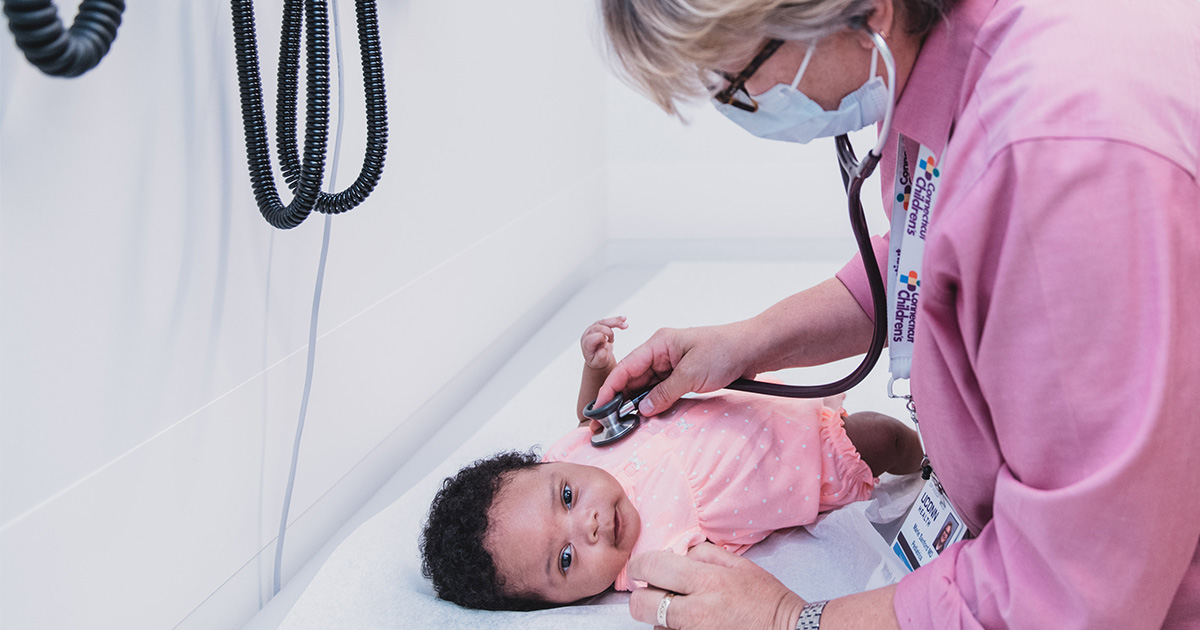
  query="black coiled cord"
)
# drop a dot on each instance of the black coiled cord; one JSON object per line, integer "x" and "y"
{"x": 375, "y": 99}
{"x": 58, "y": 51}
{"x": 304, "y": 179}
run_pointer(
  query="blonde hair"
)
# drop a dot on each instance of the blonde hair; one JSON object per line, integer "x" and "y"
{"x": 667, "y": 49}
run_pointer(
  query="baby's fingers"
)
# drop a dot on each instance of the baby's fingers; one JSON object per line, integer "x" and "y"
{"x": 597, "y": 352}
{"x": 606, "y": 326}
{"x": 594, "y": 341}
{"x": 600, "y": 358}
{"x": 614, "y": 322}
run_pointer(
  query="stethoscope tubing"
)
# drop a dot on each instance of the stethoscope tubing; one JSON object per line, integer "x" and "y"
{"x": 858, "y": 223}
{"x": 854, "y": 174}
{"x": 619, "y": 417}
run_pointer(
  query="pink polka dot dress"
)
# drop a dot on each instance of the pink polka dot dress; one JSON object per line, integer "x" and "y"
{"x": 729, "y": 468}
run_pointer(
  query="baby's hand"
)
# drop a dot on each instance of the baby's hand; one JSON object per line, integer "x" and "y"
{"x": 597, "y": 342}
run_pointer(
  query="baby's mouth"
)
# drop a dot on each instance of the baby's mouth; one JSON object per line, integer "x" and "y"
{"x": 616, "y": 526}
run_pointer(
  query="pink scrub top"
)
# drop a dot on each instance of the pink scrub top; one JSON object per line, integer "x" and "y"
{"x": 728, "y": 468}
{"x": 1056, "y": 368}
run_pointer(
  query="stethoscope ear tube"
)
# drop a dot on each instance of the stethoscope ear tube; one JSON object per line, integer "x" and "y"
{"x": 853, "y": 180}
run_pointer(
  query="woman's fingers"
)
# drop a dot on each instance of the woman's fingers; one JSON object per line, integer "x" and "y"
{"x": 664, "y": 395}
{"x": 685, "y": 574}
{"x": 679, "y": 361}
{"x": 666, "y": 570}
{"x": 650, "y": 363}
{"x": 687, "y": 360}
{"x": 716, "y": 589}
{"x": 633, "y": 368}
{"x": 644, "y": 604}
{"x": 709, "y": 553}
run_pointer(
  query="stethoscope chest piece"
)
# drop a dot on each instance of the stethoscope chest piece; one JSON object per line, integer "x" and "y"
{"x": 618, "y": 418}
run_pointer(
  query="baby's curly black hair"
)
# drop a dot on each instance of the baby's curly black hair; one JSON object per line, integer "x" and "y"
{"x": 452, "y": 551}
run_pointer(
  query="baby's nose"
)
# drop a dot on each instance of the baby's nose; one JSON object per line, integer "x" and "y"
{"x": 591, "y": 526}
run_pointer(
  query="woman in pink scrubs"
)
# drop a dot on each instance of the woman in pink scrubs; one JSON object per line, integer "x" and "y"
{"x": 1056, "y": 364}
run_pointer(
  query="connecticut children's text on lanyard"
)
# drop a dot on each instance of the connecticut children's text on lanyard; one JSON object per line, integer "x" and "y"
{"x": 932, "y": 523}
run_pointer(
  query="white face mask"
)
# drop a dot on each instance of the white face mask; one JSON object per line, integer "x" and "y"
{"x": 785, "y": 113}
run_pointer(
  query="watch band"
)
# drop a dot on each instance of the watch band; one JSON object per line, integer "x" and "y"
{"x": 810, "y": 616}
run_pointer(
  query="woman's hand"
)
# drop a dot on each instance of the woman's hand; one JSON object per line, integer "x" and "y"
{"x": 596, "y": 342}
{"x": 818, "y": 325}
{"x": 680, "y": 361}
{"x": 715, "y": 590}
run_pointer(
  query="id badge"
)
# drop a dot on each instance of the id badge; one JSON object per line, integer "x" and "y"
{"x": 930, "y": 527}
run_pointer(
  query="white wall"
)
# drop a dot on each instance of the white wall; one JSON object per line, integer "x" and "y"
{"x": 709, "y": 179}
{"x": 153, "y": 327}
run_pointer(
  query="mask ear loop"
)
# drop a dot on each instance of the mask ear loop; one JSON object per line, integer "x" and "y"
{"x": 804, "y": 65}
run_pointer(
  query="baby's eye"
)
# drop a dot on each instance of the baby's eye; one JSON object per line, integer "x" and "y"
{"x": 565, "y": 557}
{"x": 568, "y": 497}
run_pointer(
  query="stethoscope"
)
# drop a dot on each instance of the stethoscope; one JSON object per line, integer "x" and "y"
{"x": 619, "y": 418}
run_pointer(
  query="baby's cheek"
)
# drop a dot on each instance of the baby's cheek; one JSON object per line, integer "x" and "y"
{"x": 617, "y": 563}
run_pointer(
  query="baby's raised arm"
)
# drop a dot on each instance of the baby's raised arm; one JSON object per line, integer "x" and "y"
{"x": 598, "y": 359}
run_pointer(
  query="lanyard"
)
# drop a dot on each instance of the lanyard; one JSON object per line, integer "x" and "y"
{"x": 932, "y": 523}
{"x": 916, "y": 189}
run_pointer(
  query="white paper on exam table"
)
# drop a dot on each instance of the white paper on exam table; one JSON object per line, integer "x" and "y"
{"x": 373, "y": 580}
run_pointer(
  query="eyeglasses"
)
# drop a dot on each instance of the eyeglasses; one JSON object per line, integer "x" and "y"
{"x": 735, "y": 92}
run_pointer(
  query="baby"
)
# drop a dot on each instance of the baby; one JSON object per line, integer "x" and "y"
{"x": 513, "y": 532}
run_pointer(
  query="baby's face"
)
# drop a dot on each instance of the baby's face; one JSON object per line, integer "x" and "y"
{"x": 561, "y": 531}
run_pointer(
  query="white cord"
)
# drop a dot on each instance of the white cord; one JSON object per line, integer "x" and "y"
{"x": 316, "y": 308}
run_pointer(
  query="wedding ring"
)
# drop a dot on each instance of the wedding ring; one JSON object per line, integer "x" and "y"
{"x": 663, "y": 604}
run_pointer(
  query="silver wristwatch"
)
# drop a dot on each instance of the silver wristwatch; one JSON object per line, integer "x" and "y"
{"x": 810, "y": 616}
